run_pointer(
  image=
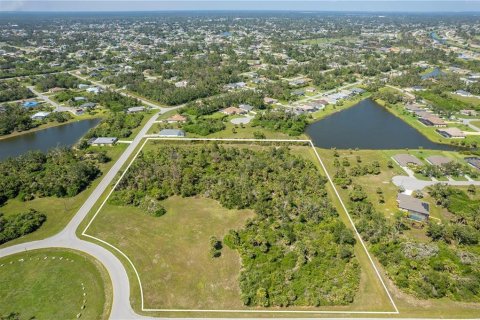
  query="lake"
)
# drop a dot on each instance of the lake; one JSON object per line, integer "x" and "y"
{"x": 46, "y": 139}
{"x": 368, "y": 125}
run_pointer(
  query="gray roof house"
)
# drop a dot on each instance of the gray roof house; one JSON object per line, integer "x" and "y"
{"x": 103, "y": 141}
{"x": 135, "y": 109}
{"x": 417, "y": 209}
{"x": 473, "y": 161}
{"x": 405, "y": 159}
{"x": 438, "y": 160}
{"x": 246, "y": 107}
{"x": 172, "y": 133}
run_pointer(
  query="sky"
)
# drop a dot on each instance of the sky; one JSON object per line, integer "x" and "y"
{"x": 232, "y": 5}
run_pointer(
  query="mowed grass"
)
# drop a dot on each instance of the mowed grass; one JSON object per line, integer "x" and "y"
{"x": 47, "y": 284}
{"x": 408, "y": 305}
{"x": 59, "y": 211}
{"x": 171, "y": 253}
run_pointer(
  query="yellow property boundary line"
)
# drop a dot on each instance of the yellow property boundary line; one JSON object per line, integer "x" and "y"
{"x": 84, "y": 233}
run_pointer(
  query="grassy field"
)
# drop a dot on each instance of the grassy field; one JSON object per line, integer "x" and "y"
{"x": 428, "y": 132}
{"x": 47, "y": 284}
{"x": 408, "y": 305}
{"x": 59, "y": 211}
{"x": 331, "y": 109}
{"x": 143, "y": 250}
{"x": 171, "y": 253}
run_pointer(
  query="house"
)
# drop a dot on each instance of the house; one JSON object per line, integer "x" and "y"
{"x": 310, "y": 89}
{"x": 78, "y": 112}
{"x": 40, "y": 115}
{"x": 298, "y": 93}
{"x": 181, "y": 84}
{"x": 321, "y": 101}
{"x": 406, "y": 159}
{"x": 236, "y": 85}
{"x": 432, "y": 121}
{"x": 103, "y": 141}
{"x": 269, "y": 100}
{"x": 135, "y": 109}
{"x": 246, "y": 107}
{"x": 232, "y": 111}
{"x": 451, "y": 133}
{"x": 473, "y": 161}
{"x": 357, "y": 90}
{"x": 417, "y": 88}
{"x": 468, "y": 112}
{"x": 297, "y": 82}
{"x": 95, "y": 90}
{"x": 55, "y": 90}
{"x": 83, "y": 86}
{"x": 413, "y": 107}
{"x": 438, "y": 160}
{"x": 76, "y": 99}
{"x": 416, "y": 208}
{"x": 88, "y": 105}
{"x": 172, "y": 133}
{"x": 463, "y": 93}
{"x": 177, "y": 118}
{"x": 30, "y": 104}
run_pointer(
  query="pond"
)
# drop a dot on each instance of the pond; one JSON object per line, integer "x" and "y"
{"x": 368, "y": 125}
{"x": 46, "y": 139}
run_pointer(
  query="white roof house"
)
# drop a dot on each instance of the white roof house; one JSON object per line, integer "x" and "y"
{"x": 40, "y": 115}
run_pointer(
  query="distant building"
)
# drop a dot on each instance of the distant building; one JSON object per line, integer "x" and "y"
{"x": 88, "y": 105}
{"x": 451, "y": 133}
{"x": 463, "y": 93}
{"x": 406, "y": 159}
{"x": 172, "y": 133}
{"x": 181, "y": 84}
{"x": 246, "y": 107}
{"x": 83, "y": 86}
{"x": 135, "y": 109}
{"x": 30, "y": 104}
{"x": 417, "y": 209}
{"x": 77, "y": 99}
{"x": 438, "y": 160}
{"x": 473, "y": 161}
{"x": 468, "y": 112}
{"x": 432, "y": 121}
{"x": 177, "y": 118}
{"x": 40, "y": 115}
{"x": 95, "y": 90}
{"x": 103, "y": 141}
{"x": 268, "y": 100}
{"x": 233, "y": 111}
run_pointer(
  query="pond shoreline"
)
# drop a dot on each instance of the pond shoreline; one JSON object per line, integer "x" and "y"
{"x": 66, "y": 134}
{"x": 374, "y": 128}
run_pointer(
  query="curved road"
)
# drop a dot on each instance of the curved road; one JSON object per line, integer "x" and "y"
{"x": 67, "y": 238}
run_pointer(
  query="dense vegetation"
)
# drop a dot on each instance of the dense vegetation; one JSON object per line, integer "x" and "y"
{"x": 59, "y": 80}
{"x": 294, "y": 252}
{"x": 289, "y": 123}
{"x": 447, "y": 266}
{"x": 118, "y": 125}
{"x": 59, "y": 173}
{"x": 204, "y": 126}
{"x": 12, "y": 90}
{"x": 18, "y": 225}
{"x": 15, "y": 118}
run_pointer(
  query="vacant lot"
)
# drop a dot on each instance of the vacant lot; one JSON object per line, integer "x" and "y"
{"x": 48, "y": 284}
{"x": 172, "y": 252}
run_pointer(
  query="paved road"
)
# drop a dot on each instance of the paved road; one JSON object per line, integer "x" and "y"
{"x": 468, "y": 122}
{"x": 412, "y": 183}
{"x": 121, "y": 308}
{"x": 44, "y": 97}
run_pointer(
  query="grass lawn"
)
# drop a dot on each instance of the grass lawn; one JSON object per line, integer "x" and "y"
{"x": 59, "y": 211}
{"x": 408, "y": 305}
{"x": 428, "y": 132}
{"x": 476, "y": 123}
{"x": 171, "y": 253}
{"x": 51, "y": 288}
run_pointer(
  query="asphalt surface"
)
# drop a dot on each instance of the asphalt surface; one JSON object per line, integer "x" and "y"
{"x": 121, "y": 308}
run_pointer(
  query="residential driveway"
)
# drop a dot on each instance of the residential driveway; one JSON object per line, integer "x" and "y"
{"x": 244, "y": 120}
{"x": 412, "y": 183}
